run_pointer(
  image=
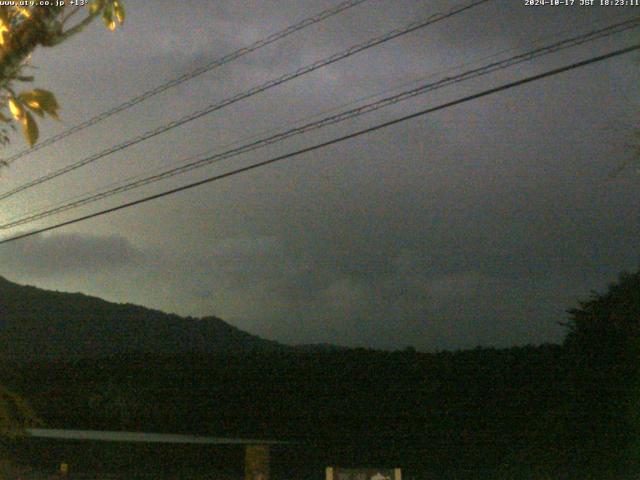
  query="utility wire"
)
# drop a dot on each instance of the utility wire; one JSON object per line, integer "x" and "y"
{"x": 188, "y": 76}
{"x": 241, "y": 96}
{"x": 333, "y": 119}
{"x": 90, "y": 198}
{"x": 334, "y": 141}
{"x": 262, "y": 133}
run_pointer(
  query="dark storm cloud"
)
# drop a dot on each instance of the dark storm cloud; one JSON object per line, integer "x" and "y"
{"x": 477, "y": 225}
{"x": 62, "y": 254}
{"x": 462, "y": 249}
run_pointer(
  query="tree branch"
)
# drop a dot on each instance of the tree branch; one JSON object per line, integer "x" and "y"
{"x": 75, "y": 29}
{"x": 32, "y": 32}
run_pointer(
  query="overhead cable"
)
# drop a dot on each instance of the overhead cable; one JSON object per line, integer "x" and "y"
{"x": 334, "y": 141}
{"x": 243, "y": 95}
{"x": 331, "y": 120}
{"x": 188, "y": 76}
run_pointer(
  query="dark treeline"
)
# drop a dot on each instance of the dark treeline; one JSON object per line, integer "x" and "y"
{"x": 550, "y": 411}
{"x": 483, "y": 410}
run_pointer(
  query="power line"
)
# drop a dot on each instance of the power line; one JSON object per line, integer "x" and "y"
{"x": 330, "y": 120}
{"x": 241, "y": 96}
{"x": 334, "y": 141}
{"x": 190, "y": 75}
{"x": 272, "y": 130}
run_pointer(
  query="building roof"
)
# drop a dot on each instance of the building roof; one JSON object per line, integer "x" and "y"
{"x": 144, "y": 437}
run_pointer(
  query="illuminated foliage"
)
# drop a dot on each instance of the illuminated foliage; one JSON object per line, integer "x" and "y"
{"x": 22, "y": 30}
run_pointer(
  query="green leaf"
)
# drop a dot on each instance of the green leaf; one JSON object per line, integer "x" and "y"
{"x": 40, "y": 101}
{"x": 16, "y": 109}
{"x": 4, "y": 15}
{"x": 4, "y": 36}
{"x": 37, "y": 110}
{"x": 96, "y": 6}
{"x": 118, "y": 10}
{"x": 30, "y": 129}
{"x": 107, "y": 16}
{"x": 32, "y": 105}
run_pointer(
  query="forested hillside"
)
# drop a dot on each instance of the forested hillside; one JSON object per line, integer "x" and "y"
{"x": 562, "y": 411}
{"x": 38, "y": 324}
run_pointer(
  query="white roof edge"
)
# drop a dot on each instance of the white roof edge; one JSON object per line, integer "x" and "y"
{"x": 144, "y": 437}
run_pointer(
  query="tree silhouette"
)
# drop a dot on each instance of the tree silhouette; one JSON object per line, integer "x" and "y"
{"x": 604, "y": 338}
{"x": 610, "y": 322}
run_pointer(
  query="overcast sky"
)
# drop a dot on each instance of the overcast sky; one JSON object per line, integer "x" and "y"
{"x": 478, "y": 225}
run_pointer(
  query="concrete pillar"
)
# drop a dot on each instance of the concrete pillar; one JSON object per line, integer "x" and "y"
{"x": 256, "y": 462}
